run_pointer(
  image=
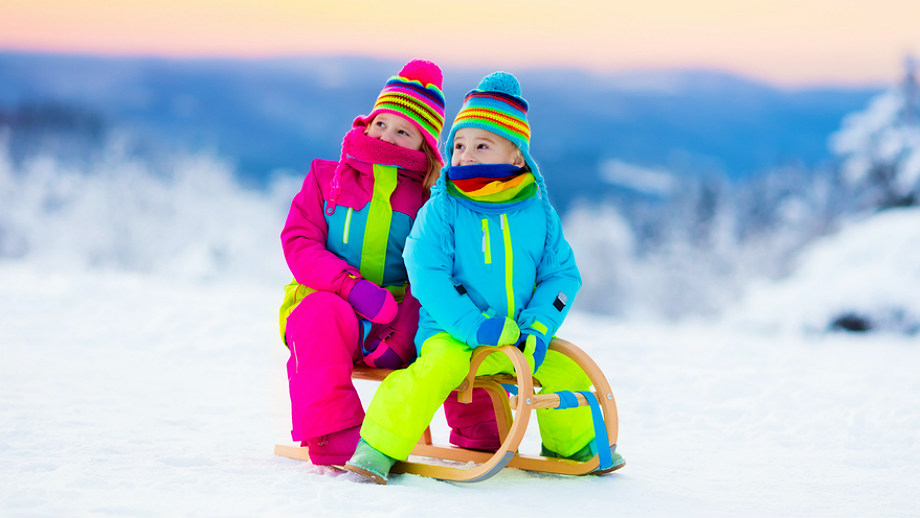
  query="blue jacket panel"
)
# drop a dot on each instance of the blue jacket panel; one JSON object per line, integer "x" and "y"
{"x": 467, "y": 263}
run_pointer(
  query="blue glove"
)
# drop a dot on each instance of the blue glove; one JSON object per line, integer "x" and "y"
{"x": 533, "y": 347}
{"x": 497, "y": 331}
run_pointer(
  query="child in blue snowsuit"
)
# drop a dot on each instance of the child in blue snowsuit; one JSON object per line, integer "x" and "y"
{"x": 489, "y": 264}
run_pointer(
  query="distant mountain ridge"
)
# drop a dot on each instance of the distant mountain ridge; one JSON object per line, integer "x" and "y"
{"x": 280, "y": 113}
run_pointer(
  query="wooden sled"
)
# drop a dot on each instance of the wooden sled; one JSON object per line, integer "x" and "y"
{"x": 512, "y": 415}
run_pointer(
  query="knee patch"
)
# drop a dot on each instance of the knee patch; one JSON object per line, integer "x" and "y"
{"x": 448, "y": 354}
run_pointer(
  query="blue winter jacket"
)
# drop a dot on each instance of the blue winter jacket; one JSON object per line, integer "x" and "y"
{"x": 469, "y": 261}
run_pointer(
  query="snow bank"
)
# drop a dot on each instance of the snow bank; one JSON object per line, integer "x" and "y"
{"x": 865, "y": 275}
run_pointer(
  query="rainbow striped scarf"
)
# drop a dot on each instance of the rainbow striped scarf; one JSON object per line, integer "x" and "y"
{"x": 491, "y": 185}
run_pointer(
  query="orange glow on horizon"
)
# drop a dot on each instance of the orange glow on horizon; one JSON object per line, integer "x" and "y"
{"x": 787, "y": 42}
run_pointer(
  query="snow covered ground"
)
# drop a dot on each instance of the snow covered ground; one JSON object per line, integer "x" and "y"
{"x": 141, "y": 373}
{"x": 134, "y": 395}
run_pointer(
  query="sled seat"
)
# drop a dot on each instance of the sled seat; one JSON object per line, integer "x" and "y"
{"x": 512, "y": 414}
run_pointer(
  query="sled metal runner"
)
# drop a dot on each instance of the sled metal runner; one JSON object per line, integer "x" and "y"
{"x": 512, "y": 414}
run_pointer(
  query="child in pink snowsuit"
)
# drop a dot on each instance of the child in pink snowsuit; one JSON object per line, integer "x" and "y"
{"x": 343, "y": 241}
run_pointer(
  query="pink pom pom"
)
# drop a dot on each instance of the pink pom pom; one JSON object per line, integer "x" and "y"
{"x": 423, "y": 71}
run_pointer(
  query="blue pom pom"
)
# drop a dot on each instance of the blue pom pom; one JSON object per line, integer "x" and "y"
{"x": 500, "y": 82}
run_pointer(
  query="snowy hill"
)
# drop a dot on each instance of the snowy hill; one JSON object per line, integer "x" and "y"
{"x": 143, "y": 374}
{"x": 866, "y": 277}
{"x": 130, "y": 395}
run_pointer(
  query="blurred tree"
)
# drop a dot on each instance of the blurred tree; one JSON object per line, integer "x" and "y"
{"x": 879, "y": 148}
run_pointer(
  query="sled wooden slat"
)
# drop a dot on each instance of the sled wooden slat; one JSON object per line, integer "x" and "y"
{"x": 552, "y": 400}
{"x": 292, "y": 452}
{"x": 512, "y": 416}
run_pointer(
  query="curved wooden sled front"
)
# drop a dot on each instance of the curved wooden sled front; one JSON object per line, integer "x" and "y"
{"x": 511, "y": 427}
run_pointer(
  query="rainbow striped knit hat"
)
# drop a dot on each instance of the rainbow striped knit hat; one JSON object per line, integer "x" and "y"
{"x": 496, "y": 105}
{"x": 414, "y": 93}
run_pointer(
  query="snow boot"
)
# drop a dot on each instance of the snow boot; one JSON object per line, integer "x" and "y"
{"x": 585, "y": 454}
{"x": 370, "y": 463}
{"x": 333, "y": 449}
{"x": 472, "y": 425}
{"x": 480, "y": 437}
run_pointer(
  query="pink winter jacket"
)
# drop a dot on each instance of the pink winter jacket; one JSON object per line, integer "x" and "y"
{"x": 323, "y": 236}
{"x": 312, "y": 258}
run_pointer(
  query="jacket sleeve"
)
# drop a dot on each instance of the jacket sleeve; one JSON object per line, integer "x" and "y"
{"x": 304, "y": 242}
{"x": 429, "y": 257}
{"x": 557, "y": 283}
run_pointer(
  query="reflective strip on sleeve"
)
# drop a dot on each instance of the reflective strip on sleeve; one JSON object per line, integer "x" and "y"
{"x": 539, "y": 327}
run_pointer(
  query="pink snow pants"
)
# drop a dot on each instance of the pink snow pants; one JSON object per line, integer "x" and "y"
{"x": 322, "y": 333}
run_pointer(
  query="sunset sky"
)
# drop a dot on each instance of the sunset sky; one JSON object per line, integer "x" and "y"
{"x": 786, "y": 42}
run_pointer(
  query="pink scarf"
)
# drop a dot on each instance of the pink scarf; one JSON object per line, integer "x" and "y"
{"x": 356, "y": 146}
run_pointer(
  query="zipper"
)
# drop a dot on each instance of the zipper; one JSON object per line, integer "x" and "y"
{"x": 509, "y": 256}
{"x": 347, "y": 225}
{"x": 486, "y": 245}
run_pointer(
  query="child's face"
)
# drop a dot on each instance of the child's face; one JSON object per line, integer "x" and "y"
{"x": 395, "y": 130}
{"x": 478, "y": 146}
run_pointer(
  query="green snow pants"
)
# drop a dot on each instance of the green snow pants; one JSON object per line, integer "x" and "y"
{"x": 407, "y": 399}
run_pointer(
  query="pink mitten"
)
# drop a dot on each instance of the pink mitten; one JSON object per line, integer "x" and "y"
{"x": 392, "y": 346}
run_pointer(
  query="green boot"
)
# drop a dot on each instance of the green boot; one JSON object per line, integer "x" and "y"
{"x": 370, "y": 463}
